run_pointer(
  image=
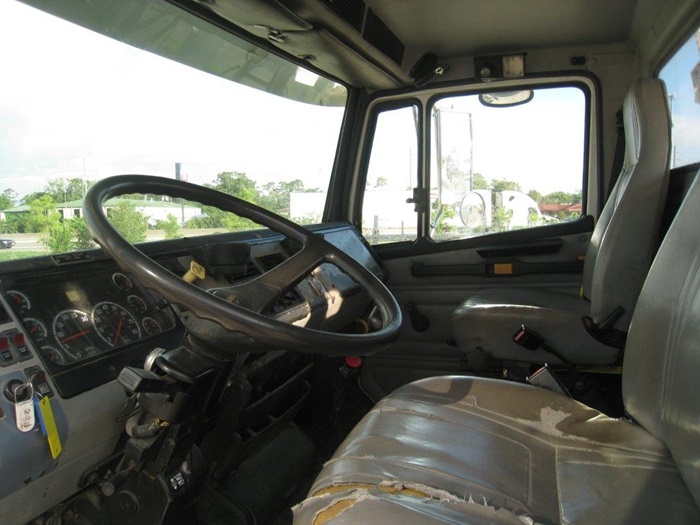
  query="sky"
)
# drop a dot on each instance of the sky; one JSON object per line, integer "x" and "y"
{"x": 77, "y": 104}
{"x": 684, "y": 101}
{"x": 115, "y": 109}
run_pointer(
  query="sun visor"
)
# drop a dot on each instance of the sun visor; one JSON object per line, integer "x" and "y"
{"x": 313, "y": 36}
{"x": 262, "y": 13}
{"x": 322, "y": 49}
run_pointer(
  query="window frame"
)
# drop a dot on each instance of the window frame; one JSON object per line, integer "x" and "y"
{"x": 593, "y": 194}
{"x": 657, "y": 74}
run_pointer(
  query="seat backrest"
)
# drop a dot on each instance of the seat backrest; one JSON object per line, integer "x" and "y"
{"x": 626, "y": 235}
{"x": 661, "y": 371}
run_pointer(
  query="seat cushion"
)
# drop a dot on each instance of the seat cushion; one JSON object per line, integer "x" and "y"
{"x": 484, "y": 324}
{"x": 471, "y": 450}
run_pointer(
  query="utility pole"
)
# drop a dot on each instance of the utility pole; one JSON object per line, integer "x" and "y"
{"x": 178, "y": 176}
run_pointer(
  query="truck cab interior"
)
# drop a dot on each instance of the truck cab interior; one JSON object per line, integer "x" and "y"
{"x": 370, "y": 261}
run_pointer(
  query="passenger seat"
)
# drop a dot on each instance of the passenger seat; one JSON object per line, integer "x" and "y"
{"x": 619, "y": 254}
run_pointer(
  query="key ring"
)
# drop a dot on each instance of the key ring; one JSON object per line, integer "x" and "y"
{"x": 20, "y": 388}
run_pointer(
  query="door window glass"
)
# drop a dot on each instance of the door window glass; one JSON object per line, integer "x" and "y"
{"x": 682, "y": 77}
{"x": 501, "y": 162}
{"x": 391, "y": 177}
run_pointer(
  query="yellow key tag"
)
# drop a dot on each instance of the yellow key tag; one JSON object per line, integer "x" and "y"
{"x": 49, "y": 424}
{"x": 195, "y": 272}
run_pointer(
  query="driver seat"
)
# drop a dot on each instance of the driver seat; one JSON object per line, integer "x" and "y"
{"x": 587, "y": 330}
{"x": 474, "y": 451}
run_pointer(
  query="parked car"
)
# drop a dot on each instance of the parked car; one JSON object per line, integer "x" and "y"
{"x": 380, "y": 170}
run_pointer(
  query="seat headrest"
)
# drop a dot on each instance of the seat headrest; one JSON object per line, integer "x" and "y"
{"x": 642, "y": 107}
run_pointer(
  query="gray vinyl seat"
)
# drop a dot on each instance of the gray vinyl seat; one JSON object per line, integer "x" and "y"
{"x": 618, "y": 257}
{"x": 474, "y": 451}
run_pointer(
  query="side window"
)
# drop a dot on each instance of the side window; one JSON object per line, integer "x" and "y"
{"x": 682, "y": 77}
{"x": 506, "y": 161}
{"x": 391, "y": 177}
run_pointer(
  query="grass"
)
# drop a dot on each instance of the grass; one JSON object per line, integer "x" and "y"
{"x": 11, "y": 255}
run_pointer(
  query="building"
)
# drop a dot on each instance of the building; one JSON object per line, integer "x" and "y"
{"x": 154, "y": 210}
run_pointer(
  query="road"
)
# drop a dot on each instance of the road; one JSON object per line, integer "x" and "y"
{"x": 32, "y": 241}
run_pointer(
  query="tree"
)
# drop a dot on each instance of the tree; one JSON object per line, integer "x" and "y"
{"x": 536, "y": 196}
{"x": 170, "y": 226}
{"x": 81, "y": 235}
{"x": 236, "y": 184}
{"x": 275, "y": 196}
{"x": 233, "y": 183}
{"x": 8, "y": 199}
{"x": 131, "y": 224}
{"x": 59, "y": 238}
{"x": 27, "y": 199}
{"x": 499, "y": 185}
{"x": 479, "y": 182}
{"x": 500, "y": 220}
{"x": 42, "y": 215}
{"x": 63, "y": 190}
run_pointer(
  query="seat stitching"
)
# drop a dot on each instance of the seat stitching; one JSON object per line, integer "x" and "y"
{"x": 410, "y": 466}
{"x": 665, "y": 468}
{"x": 558, "y": 484}
{"x": 433, "y": 417}
{"x": 676, "y": 330}
{"x": 529, "y": 477}
{"x": 429, "y": 415}
{"x": 564, "y": 437}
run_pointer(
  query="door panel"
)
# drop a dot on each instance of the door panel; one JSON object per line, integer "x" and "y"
{"x": 426, "y": 345}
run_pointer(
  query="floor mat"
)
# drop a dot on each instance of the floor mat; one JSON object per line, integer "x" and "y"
{"x": 261, "y": 489}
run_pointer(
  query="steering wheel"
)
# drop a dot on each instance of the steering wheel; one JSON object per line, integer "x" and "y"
{"x": 230, "y": 320}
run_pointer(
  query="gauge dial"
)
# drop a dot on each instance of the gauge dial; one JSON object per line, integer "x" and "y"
{"x": 54, "y": 355}
{"x": 19, "y": 301}
{"x": 35, "y": 328}
{"x": 137, "y": 304}
{"x": 73, "y": 331}
{"x": 115, "y": 324}
{"x": 151, "y": 326}
{"x": 122, "y": 282}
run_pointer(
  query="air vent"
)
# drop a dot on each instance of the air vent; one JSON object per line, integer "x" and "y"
{"x": 268, "y": 262}
{"x": 352, "y": 11}
{"x": 250, "y": 271}
{"x": 372, "y": 28}
{"x": 380, "y": 36}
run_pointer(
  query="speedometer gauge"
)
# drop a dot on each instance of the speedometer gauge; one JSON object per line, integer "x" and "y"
{"x": 72, "y": 329}
{"x": 115, "y": 324}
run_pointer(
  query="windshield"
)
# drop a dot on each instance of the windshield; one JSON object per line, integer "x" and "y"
{"x": 78, "y": 106}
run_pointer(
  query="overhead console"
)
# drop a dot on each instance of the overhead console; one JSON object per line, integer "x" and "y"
{"x": 372, "y": 55}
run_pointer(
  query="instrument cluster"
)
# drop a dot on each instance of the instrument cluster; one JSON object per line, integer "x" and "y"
{"x": 72, "y": 318}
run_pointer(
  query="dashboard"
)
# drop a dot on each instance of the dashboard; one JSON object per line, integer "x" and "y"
{"x": 98, "y": 313}
{"x": 70, "y": 323}
{"x": 77, "y": 317}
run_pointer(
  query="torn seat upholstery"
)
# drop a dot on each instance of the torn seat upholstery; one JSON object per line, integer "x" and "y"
{"x": 471, "y": 450}
{"x": 619, "y": 254}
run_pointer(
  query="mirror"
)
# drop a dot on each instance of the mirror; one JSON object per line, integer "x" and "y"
{"x": 506, "y": 99}
{"x": 473, "y": 209}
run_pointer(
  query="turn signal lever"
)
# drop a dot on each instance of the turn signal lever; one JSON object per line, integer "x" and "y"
{"x": 177, "y": 386}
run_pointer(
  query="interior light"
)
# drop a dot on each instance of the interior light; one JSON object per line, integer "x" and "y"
{"x": 306, "y": 77}
{"x": 513, "y": 66}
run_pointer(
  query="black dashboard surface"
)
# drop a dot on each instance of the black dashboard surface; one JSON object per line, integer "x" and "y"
{"x": 87, "y": 319}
